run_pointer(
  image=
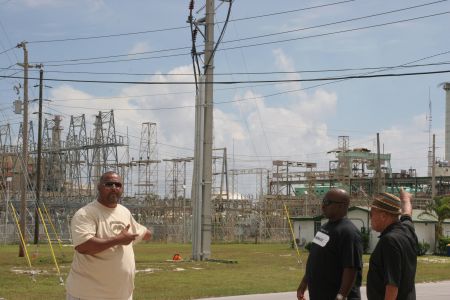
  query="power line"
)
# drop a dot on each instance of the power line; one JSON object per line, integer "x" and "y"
{"x": 107, "y": 35}
{"x": 7, "y": 50}
{"x": 179, "y": 27}
{"x": 248, "y": 45}
{"x": 119, "y": 55}
{"x": 265, "y": 96}
{"x": 113, "y": 61}
{"x": 240, "y": 73}
{"x": 291, "y": 11}
{"x": 334, "y": 32}
{"x": 233, "y": 82}
{"x": 334, "y": 23}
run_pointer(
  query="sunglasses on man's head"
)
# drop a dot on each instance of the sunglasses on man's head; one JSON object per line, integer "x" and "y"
{"x": 112, "y": 184}
{"x": 326, "y": 201}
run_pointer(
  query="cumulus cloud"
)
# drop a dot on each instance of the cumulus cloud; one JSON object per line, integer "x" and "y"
{"x": 140, "y": 47}
{"x": 290, "y": 126}
{"x": 255, "y": 128}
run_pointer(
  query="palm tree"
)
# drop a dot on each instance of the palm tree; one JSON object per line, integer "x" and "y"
{"x": 438, "y": 208}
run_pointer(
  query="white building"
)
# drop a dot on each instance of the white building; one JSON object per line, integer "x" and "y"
{"x": 306, "y": 227}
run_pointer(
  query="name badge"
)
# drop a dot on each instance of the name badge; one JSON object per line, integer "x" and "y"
{"x": 321, "y": 239}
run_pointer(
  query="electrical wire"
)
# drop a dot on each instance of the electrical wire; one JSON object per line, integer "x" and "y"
{"x": 248, "y": 45}
{"x": 336, "y": 32}
{"x": 219, "y": 40}
{"x": 7, "y": 50}
{"x": 179, "y": 27}
{"x": 237, "y": 73}
{"x": 193, "y": 50}
{"x": 335, "y": 23}
{"x": 236, "y": 81}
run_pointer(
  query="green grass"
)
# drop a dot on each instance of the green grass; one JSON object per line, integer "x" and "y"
{"x": 260, "y": 268}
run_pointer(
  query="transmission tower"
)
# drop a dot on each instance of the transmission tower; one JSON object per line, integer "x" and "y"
{"x": 220, "y": 175}
{"x": 7, "y": 154}
{"x": 30, "y": 136}
{"x": 175, "y": 184}
{"x": 54, "y": 158}
{"x": 77, "y": 156}
{"x": 104, "y": 155}
{"x": 148, "y": 161}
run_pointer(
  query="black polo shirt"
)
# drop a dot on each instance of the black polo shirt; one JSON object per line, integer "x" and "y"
{"x": 337, "y": 245}
{"x": 394, "y": 261}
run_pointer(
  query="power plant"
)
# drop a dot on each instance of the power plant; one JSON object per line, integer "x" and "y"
{"x": 72, "y": 161}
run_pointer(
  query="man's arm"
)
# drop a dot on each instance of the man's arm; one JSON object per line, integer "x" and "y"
{"x": 302, "y": 288}
{"x": 348, "y": 279}
{"x": 405, "y": 198}
{"x": 390, "y": 292}
{"x": 95, "y": 245}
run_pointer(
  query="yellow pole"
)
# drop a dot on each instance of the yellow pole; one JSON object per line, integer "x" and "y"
{"x": 51, "y": 224}
{"x": 20, "y": 235}
{"x": 293, "y": 235}
{"x": 50, "y": 244}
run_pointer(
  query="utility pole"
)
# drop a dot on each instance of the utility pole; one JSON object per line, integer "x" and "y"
{"x": 23, "y": 183}
{"x": 184, "y": 201}
{"x": 39, "y": 154}
{"x": 433, "y": 170}
{"x": 208, "y": 141}
{"x": 202, "y": 183}
{"x": 378, "y": 186}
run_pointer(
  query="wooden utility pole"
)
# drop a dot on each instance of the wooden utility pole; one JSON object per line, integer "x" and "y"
{"x": 39, "y": 154}
{"x": 23, "y": 182}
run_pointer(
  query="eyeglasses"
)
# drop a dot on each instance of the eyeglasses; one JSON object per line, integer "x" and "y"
{"x": 110, "y": 185}
{"x": 326, "y": 202}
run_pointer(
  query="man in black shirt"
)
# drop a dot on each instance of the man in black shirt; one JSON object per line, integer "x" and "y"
{"x": 392, "y": 266}
{"x": 334, "y": 266}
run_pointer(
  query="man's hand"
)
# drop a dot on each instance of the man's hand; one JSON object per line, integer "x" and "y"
{"x": 147, "y": 235}
{"x": 124, "y": 237}
{"x": 405, "y": 198}
{"x": 301, "y": 289}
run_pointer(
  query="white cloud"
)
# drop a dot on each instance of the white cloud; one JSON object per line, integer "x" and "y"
{"x": 292, "y": 126}
{"x": 91, "y": 5}
{"x": 36, "y": 3}
{"x": 295, "y": 129}
{"x": 140, "y": 47}
{"x": 420, "y": 121}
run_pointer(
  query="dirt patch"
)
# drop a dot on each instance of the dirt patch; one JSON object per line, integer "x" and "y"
{"x": 434, "y": 260}
{"x": 16, "y": 270}
{"x": 148, "y": 270}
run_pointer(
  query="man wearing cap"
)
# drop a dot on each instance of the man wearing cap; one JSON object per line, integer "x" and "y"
{"x": 392, "y": 266}
{"x": 334, "y": 266}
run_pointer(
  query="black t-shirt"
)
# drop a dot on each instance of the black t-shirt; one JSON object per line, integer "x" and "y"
{"x": 394, "y": 261}
{"x": 337, "y": 245}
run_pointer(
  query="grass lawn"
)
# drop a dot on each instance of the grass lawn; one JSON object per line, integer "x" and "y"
{"x": 260, "y": 268}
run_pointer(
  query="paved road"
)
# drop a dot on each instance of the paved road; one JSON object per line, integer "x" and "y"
{"x": 424, "y": 291}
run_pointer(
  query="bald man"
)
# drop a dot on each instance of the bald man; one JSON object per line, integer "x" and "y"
{"x": 334, "y": 266}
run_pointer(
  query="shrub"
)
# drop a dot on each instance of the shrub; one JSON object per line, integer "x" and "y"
{"x": 365, "y": 239}
{"x": 442, "y": 245}
{"x": 308, "y": 246}
{"x": 423, "y": 248}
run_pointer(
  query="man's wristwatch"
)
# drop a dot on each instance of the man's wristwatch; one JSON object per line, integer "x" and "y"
{"x": 339, "y": 297}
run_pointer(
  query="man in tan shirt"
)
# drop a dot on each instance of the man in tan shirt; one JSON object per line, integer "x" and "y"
{"x": 103, "y": 233}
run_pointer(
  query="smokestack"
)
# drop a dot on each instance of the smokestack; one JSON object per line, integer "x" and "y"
{"x": 447, "y": 120}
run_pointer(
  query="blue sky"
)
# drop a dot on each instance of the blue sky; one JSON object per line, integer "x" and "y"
{"x": 301, "y": 125}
